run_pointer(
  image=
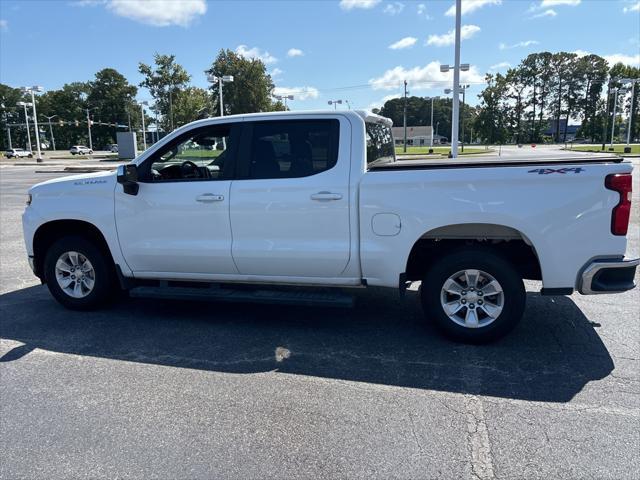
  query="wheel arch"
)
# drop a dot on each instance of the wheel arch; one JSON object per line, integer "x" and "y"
{"x": 507, "y": 241}
{"x": 50, "y": 232}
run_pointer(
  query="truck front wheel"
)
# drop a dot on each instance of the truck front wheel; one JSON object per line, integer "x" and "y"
{"x": 78, "y": 273}
{"x": 473, "y": 295}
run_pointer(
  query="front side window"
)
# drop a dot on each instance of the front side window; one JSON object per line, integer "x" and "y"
{"x": 293, "y": 148}
{"x": 380, "y": 147}
{"x": 200, "y": 155}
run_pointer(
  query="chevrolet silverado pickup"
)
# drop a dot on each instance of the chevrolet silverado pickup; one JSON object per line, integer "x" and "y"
{"x": 318, "y": 199}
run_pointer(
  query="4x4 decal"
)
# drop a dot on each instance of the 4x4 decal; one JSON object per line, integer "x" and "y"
{"x": 547, "y": 171}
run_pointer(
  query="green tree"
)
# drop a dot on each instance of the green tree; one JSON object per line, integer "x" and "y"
{"x": 111, "y": 101}
{"x": 191, "y": 104}
{"x": 10, "y": 113}
{"x": 493, "y": 119}
{"x": 69, "y": 104}
{"x": 164, "y": 81}
{"x": 251, "y": 88}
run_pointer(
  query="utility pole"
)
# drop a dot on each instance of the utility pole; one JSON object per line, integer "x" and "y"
{"x": 89, "y": 128}
{"x": 405, "y": 116}
{"x": 456, "y": 84}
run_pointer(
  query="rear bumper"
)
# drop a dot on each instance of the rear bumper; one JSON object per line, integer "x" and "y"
{"x": 608, "y": 276}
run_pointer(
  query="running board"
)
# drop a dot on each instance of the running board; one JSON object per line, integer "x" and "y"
{"x": 259, "y": 295}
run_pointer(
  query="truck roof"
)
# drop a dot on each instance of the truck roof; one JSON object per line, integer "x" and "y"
{"x": 366, "y": 115}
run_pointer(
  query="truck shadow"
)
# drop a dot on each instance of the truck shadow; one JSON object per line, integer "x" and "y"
{"x": 551, "y": 356}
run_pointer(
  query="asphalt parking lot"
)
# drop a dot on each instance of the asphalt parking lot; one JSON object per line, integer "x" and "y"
{"x": 166, "y": 389}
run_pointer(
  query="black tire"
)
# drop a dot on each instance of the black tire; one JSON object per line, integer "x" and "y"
{"x": 104, "y": 282}
{"x": 30, "y": 155}
{"x": 90, "y": 152}
{"x": 485, "y": 260}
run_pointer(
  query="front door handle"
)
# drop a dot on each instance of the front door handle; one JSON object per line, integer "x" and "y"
{"x": 326, "y": 196}
{"x": 210, "y": 197}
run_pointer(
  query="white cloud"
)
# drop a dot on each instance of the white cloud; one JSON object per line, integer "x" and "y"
{"x": 469, "y": 6}
{"x": 422, "y": 78}
{"x": 526, "y": 43}
{"x": 581, "y": 53}
{"x": 393, "y": 8}
{"x": 405, "y": 42}
{"x": 466, "y": 32}
{"x": 364, "y": 4}
{"x": 500, "y": 66}
{"x": 276, "y": 72}
{"x": 4, "y": 25}
{"x": 299, "y": 93}
{"x": 547, "y": 13}
{"x": 295, "y": 52}
{"x": 633, "y": 8}
{"x": 554, "y": 3}
{"x": 256, "y": 54}
{"x": 633, "y": 60}
{"x": 383, "y": 100}
{"x": 159, "y": 13}
{"x": 421, "y": 10}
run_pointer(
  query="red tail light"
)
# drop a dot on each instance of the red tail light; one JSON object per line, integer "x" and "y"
{"x": 621, "y": 183}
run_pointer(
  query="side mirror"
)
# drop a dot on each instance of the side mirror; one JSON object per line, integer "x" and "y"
{"x": 128, "y": 176}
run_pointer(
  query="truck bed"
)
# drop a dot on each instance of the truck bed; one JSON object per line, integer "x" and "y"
{"x": 497, "y": 161}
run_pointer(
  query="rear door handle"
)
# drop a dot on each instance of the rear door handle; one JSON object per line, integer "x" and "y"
{"x": 326, "y": 196}
{"x": 210, "y": 197}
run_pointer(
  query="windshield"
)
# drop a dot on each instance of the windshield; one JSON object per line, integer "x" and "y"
{"x": 380, "y": 147}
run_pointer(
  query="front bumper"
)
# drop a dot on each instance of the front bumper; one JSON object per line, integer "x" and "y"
{"x": 608, "y": 276}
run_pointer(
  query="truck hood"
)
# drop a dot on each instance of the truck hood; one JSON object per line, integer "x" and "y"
{"x": 71, "y": 182}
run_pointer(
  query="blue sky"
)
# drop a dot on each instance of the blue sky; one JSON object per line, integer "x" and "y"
{"x": 316, "y": 50}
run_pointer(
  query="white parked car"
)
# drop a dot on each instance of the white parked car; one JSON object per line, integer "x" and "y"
{"x": 18, "y": 153}
{"x": 80, "y": 150}
{"x": 319, "y": 199}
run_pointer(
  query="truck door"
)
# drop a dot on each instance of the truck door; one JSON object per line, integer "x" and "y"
{"x": 178, "y": 223}
{"x": 290, "y": 203}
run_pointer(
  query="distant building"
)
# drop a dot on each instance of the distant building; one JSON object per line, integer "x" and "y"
{"x": 552, "y": 129}
{"x": 419, "y": 136}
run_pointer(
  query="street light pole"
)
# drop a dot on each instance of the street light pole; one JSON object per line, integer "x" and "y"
{"x": 211, "y": 78}
{"x": 32, "y": 91}
{"x": 431, "y": 143}
{"x": 144, "y": 134}
{"x": 404, "y": 116}
{"x": 613, "y": 123}
{"x": 53, "y": 140}
{"x": 456, "y": 84}
{"x": 464, "y": 90}
{"x": 26, "y": 119}
{"x": 633, "y": 91}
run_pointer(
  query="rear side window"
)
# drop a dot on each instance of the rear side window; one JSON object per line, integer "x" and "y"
{"x": 293, "y": 148}
{"x": 380, "y": 147}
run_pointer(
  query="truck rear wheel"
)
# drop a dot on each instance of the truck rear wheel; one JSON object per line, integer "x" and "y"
{"x": 78, "y": 274}
{"x": 473, "y": 295}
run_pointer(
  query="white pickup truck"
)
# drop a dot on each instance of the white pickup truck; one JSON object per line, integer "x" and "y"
{"x": 319, "y": 199}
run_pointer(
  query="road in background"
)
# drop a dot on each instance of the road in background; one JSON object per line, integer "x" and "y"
{"x": 170, "y": 389}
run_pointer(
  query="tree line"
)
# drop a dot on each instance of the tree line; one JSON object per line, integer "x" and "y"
{"x": 109, "y": 101}
{"x": 532, "y": 102}
{"x": 536, "y": 100}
